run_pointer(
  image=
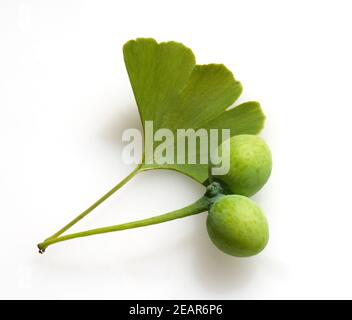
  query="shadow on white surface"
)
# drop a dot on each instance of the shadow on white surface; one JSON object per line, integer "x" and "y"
{"x": 121, "y": 120}
{"x": 216, "y": 271}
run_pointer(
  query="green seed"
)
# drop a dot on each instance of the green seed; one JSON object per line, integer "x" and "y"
{"x": 237, "y": 226}
{"x": 250, "y": 164}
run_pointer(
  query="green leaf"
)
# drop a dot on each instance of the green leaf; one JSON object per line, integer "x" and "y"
{"x": 175, "y": 93}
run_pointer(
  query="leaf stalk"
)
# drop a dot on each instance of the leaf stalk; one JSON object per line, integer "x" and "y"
{"x": 197, "y": 207}
{"x": 97, "y": 203}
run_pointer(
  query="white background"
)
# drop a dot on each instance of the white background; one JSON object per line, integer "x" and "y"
{"x": 65, "y": 99}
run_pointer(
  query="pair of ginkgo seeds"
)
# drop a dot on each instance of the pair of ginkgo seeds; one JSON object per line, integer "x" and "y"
{"x": 236, "y": 224}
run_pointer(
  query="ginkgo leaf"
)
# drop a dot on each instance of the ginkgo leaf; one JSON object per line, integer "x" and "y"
{"x": 175, "y": 93}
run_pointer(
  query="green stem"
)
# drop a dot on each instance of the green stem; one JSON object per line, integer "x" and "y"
{"x": 197, "y": 207}
{"x": 97, "y": 203}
